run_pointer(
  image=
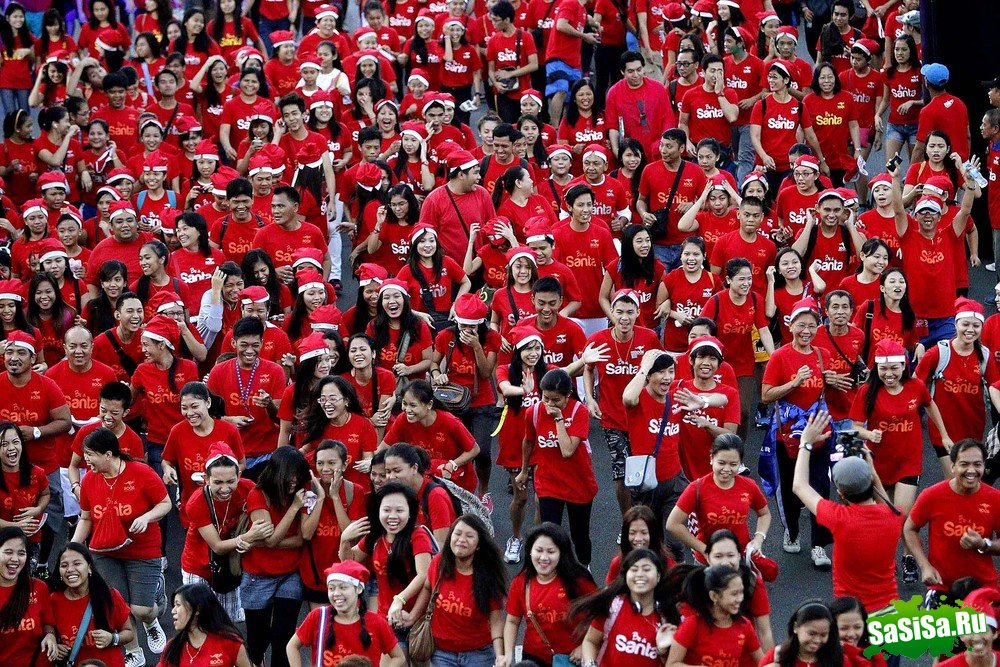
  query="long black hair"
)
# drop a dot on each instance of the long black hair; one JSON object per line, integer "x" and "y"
{"x": 23, "y": 465}
{"x": 365, "y": 636}
{"x": 101, "y": 310}
{"x": 314, "y": 422}
{"x": 101, "y": 600}
{"x": 304, "y": 382}
{"x": 377, "y": 89}
{"x": 400, "y": 562}
{"x": 207, "y": 614}
{"x": 16, "y": 607}
{"x": 704, "y": 580}
{"x": 537, "y": 149}
{"x": 286, "y": 464}
{"x": 633, "y": 267}
{"x": 7, "y": 31}
{"x": 569, "y": 571}
{"x": 749, "y": 577}
{"x": 654, "y": 526}
{"x": 112, "y": 14}
{"x": 875, "y": 385}
{"x": 909, "y": 317}
{"x": 213, "y": 98}
{"x": 406, "y": 192}
{"x": 634, "y": 145}
{"x": 572, "y": 110}
{"x": 666, "y": 595}
{"x": 913, "y": 61}
{"x": 272, "y": 284}
{"x": 948, "y": 163}
{"x": 51, "y": 17}
{"x": 201, "y": 43}
{"x": 143, "y": 284}
{"x": 848, "y": 604}
{"x": 830, "y": 655}
{"x": 516, "y": 377}
{"x": 489, "y": 574}
{"x": 163, "y": 18}
{"x": 408, "y": 322}
{"x": 413, "y": 256}
{"x": 62, "y": 313}
{"x": 507, "y": 183}
{"x": 297, "y": 324}
{"x": 219, "y": 22}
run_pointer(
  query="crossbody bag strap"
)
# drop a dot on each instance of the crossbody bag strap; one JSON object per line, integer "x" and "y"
{"x": 454, "y": 204}
{"x": 513, "y": 306}
{"x": 869, "y": 316}
{"x": 425, "y": 291}
{"x": 534, "y": 621}
{"x": 81, "y": 633}
{"x": 673, "y": 187}
{"x": 837, "y": 347}
{"x": 663, "y": 425}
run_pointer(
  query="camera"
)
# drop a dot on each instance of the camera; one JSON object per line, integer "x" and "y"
{"x": 847, "y": 443}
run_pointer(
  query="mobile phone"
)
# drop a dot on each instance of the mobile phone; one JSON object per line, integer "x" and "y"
{"x": 893, "y": 162}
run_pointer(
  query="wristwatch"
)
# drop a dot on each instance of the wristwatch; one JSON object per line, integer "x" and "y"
{"x": 36, "y": 433}
{"x": 808, "y": 446}
{"x": 987, "y": 543}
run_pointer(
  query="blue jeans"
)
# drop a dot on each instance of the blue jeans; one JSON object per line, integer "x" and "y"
{"x": 669, "y": 255}
{"x": 938, "y": 328}
{"x": 13, "y": 99}
{"x": 267, "y": 26}
{"x": 483, "y": 657}
{"x": 744, "y": 151}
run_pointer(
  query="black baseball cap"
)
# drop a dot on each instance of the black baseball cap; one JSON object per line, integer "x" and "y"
{"x": 992, "y": 83}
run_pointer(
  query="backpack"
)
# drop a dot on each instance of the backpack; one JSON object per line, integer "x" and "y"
{"x": 141, "y": 199}
{"x": 944, "y": 358}
{"x": 462, "y": 501}
{"x": 225, "y": 225}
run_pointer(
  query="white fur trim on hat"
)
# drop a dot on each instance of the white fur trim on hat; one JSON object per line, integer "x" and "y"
{"x": 150, "y": 334}
{"x": 895, "y": 359}
{"x": 52, "y": 254}
{"x": 319, "y": 352}
{"x": 970, "y": 313}
{"x": 17, "y": 343}
{"x": 345, "y": 579}
{"x": 305, "y": 287}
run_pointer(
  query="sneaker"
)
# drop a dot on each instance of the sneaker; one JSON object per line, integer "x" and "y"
{"x": 156, "y": 640}
{"x": 488, "y": 502}
{"x": 991, "y": 266}
{"x": 820, "y": 560}
{"x": 763, "y": 415}
{"x": 512, "y": 554}
{"x": 135, "y": 658}
{"x": 911, "y": 573}
{"x": 789, "y": 545}
{"x": 163, "y": 564}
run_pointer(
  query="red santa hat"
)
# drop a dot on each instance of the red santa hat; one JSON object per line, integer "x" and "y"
{"x": 461, "y": 160}
{"x": 393, "y": 284}
{"x": 470, "y": 310}
{"x": 804, "y": 306}
{"x": 281, "y": 37}
{"x": 163, "y": 329}
{"x": 927, "y": 204}
{"x": 164, "y": 300}
{"x": 320, "y": 98}
{"x": 50, "y": 248}
{"x": 674, "y": 12}
{"x": 789, "y": 32}
{"x": 938, "y": 186}
{"x": 537, "y": 229}
{"x": 326, "y": 318}
{"x": 11, "y": 289}
{"x": 560, "y": 149}
{"x": 187, "y": 124}
{"x": 18, "y": 338}
{"x": 783, "y": 65}
{"x": 595, "y": 150}
{"x": 312, "y": 256}
{"x": 310, "y": 61}
{"x": 52, "y": 179}
{"x": 109, "y": 190}
{"x": 117, "y": 208}
{"x": 368, "y": 176}
{"x": 33, "y": 206}
{"x": 206, "y": 150}
{"x": 420, "y": 75}
{"x": 349, "y": 572}
{"x": 765, "y": 17}
{"x": 307, "y": 279}
{"x": 533, "y": 94}
{"x": 312, "y": 346}
{"x": 809, "y": 161}
{"x": 627, "y": 295}
{"x": 520, "y": 251}
{"x": 868, "y": 47}
{"x": 156, "y": 161}
{"x": 831, "y": 193}
{"x": 710, "y": 342}
{"x": 110, "y": 39}
{"x": 415, "y": 129}
{"x": 983, "y": 601}
{"x": 324, "y": 11}
{"x": 119, "y": 174}
{"x": 254, "y": 294}
{"x": 968, "y": 308}
{"x": 524, "y": 335}
{"x": 369, "y": 273}
{"x": 419, "y": 230}
{"x": 221, "y": 180}
{"x": 888, "y": 351}
{"x": 220, "y": 451}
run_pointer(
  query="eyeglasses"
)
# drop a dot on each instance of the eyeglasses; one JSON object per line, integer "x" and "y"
{"x": 685, "y": 63}
{"x": 322, "y": 400}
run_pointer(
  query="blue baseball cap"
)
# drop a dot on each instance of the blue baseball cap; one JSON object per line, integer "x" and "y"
{"x": 936, "y": 74}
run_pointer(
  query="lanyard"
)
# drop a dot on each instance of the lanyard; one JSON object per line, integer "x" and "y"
{"x": 245, "y": 392}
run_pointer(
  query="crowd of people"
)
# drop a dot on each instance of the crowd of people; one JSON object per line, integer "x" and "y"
{"x": 664, "y": 230}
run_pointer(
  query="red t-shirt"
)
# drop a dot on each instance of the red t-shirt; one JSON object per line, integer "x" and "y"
{"x": 18, "y": 497}
{"x": 561, "y": 46}
{"x": 992, "y": 169}
{"x": 570, "y": 479}
{"x": 689, "y": 298}
{"x": 586, "y": 253}
{"x": 614, "y": 374}
{"x": 266, "y": 561}
{"x": 69, "y": 614}
{"x": 948, "y": 114}
{"x": 549, "y": 604}
{"x": 784, "y": 365}
{"x": 646, "y": 289}
{"x": 261, "y": 436}
{"x": 744, "y": 78}
{"x": 898, "y": 455}
{"x": 889, "y": 326}
{"x": 324, "y": 546}
{"x": 866, "y": 534}
{"x": 163, "y": 402}
{"x": 131, "y": 494}
{"x": 850, "y": 345}
{"x": 462, "y": 364}
{"x": 383, "y": 639}
{"x": 194, "y": 557}
{"x": 861, "y": 292}
{"x": 187, "y": 452}
{"x": 631, "y": 640}
{"x": 791, "y": 206}
{"x": 831, "y": 118}
{"x": 929, "y": 266}
{"x": 20, "y": 644}
{"x": 414, "y": 353}
{"x": 866, "y": 91}
{"x": 644, "y": 422}
{"x": 440, "y": 288}
{"x": 445, "y": 439}
{"x": 458, "y": 624}
{"x": 736, "y": 324}
{"x": 358, "y": 435}
{"x": 129, "y": 441}
{"x": 457, "y": 72}
{"x": 655, "y": 185}
{"x": 420, "y": 543}
{"x": 705, "y": 116}
{"x": 610, "y": 197}
{"x": 195, "y": 271}
{"x": 949, "y": 514}
{"x": 959, "y": 392}
{"x": 719, "y": 508}
{"x": 280, "y": 243}
{"x": 19, "y": 183}
{"x": 760, "y": 254}
{"x": 32, "y": 405}
{"x": 367, "y": 394}
{"x": 905, "y": 86}
{"x": 219, "y": 648}
{"x": 712, "y": 645}
{"x": 694, "y": 442}
{"x": 779, "y": 123}
{"x": 566, "y": 277}
{"x": 74, "y": 154}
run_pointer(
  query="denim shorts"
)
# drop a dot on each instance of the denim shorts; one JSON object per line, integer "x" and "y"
{"x": 483, "y": 657}
{"x": 136, "y": 580}
{"x": 259, "y": 591}
{"x": 902, "y": 133}
{"x": 560, "y": 77}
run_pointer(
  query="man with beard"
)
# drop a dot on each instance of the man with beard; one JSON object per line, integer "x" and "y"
{"x": 251, "y": 388}
{"x": 37, "y": 405}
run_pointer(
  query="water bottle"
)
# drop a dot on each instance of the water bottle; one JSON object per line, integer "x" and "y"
{"x": 974, "y": 174}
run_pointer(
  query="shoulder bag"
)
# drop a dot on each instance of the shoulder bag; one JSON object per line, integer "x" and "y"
{"x": 401, "y": 382}
{"x": 640, "y": 470}
{"x": 421, "y": 640}
{"x": 226, "y": 569}
{"x": 659, "y": 228}
{"x": 455, "y": 397}
{"x": 558, "y": 659}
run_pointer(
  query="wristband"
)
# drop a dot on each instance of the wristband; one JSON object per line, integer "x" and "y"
{"x": 559, "y": 420}
{"x": 399, "y": 598}
{"x": 115, "y": 638}
{"x": 762, "y": 534}
{"x": 74, "y": 485}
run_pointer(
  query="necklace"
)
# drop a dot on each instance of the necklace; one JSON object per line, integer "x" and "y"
{"x": 187, "y": 649}
{"x": 121, "y": 469}
{"x": 628, "y": 350}
{"x": 245, "y": 391}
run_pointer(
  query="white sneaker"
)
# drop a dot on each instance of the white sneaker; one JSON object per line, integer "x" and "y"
{"x": 790, "y": 546}
{"x": 991, "y": 266}
{"x": 135, "y": 658}
{"x": 820, "y": 559}
{"x": 512, "y": 554}
{"x": 156, "y": 639}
